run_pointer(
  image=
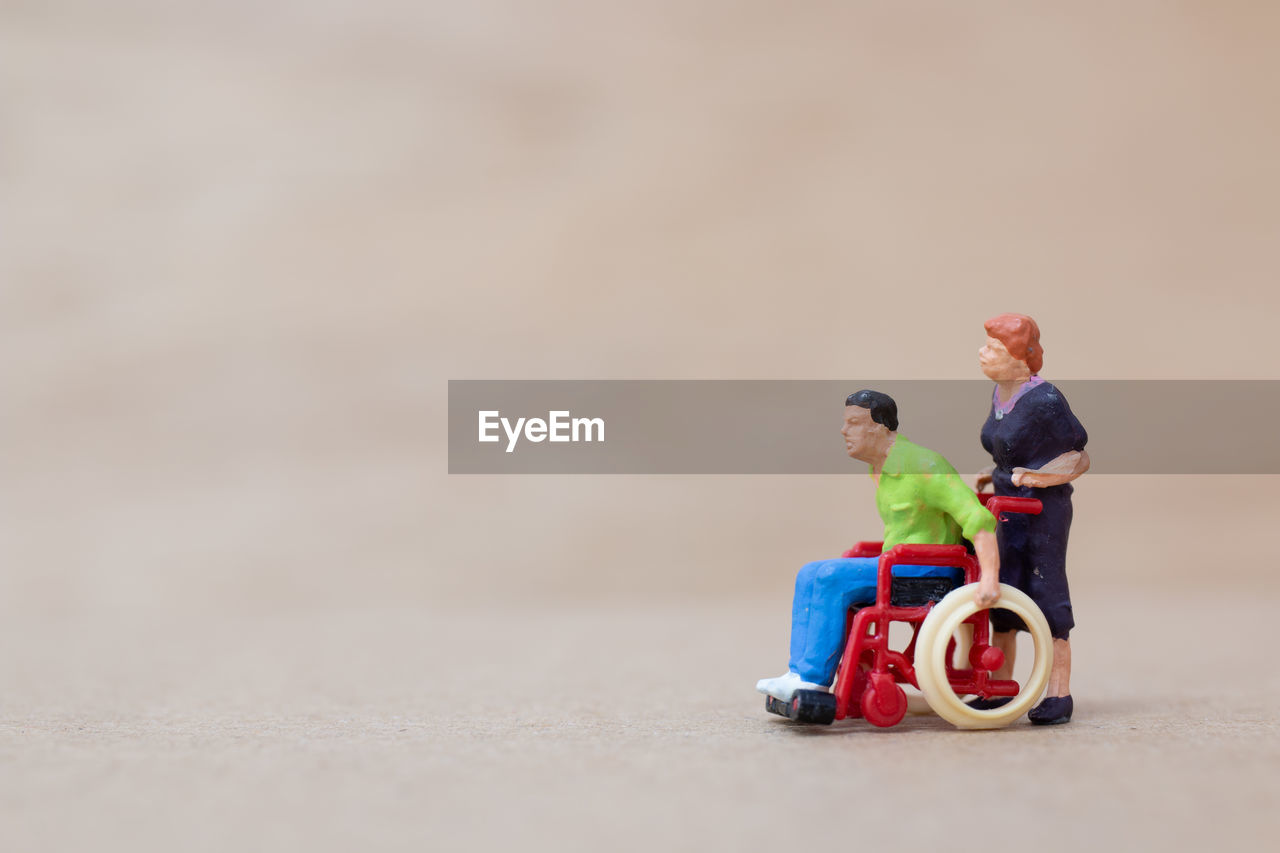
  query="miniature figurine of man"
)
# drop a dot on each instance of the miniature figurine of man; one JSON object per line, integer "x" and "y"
{"x": 923, "y": 501}
{"x": 1037, "y": 445}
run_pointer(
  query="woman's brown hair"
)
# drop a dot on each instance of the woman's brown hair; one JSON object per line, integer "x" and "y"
{"x": 1020, "y": 336}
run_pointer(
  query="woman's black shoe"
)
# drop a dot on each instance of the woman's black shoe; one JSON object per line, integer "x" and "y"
{"x": 981, "y": 704}
{"x": 1052, "y": 711}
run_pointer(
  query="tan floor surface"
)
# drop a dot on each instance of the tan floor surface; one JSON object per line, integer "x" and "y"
{"x": 624, "y": 727}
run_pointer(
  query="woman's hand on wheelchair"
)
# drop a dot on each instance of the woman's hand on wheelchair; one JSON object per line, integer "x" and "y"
{"x": 983, "y": 480}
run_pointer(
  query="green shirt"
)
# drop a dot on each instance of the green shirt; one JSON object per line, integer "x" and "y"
{"x": 923, "y": 501}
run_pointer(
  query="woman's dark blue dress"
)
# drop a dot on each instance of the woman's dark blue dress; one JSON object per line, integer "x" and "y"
{"x": 1033, "y": 548}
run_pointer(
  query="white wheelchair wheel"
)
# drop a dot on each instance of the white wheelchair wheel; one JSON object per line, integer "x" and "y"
{"x": 931, "y": 650}
{"x": 919, "y": 706}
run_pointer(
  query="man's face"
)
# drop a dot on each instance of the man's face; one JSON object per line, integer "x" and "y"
{"x": 860, "y": 432}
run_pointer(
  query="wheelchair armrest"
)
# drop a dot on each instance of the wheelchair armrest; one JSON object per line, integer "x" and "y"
{"x": 929, "y": 555}
{"x": 864, "y": 549}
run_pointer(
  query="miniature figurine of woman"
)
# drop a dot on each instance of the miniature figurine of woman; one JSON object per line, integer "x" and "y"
{"x": 1037, "y": 445}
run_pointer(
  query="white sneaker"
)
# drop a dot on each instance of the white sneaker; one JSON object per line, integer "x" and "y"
{"x": 784, "y": 687}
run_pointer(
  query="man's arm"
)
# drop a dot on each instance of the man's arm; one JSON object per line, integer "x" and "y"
{"x": 978, "y": 525}
{"x": 988, "y": 591}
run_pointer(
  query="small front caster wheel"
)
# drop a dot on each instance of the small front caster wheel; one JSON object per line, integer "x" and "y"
{"x": 883, "y": 703}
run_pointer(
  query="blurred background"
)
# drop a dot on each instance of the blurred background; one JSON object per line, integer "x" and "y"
{"x": 243, "y": 246}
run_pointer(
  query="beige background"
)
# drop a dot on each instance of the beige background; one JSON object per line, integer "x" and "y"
{"x": 243, "y": 606}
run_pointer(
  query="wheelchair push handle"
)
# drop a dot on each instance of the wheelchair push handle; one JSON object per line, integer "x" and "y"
{"x": 999, "y": 505}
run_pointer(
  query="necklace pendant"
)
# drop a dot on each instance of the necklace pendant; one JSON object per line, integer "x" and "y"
{"x": 999, "y": 414}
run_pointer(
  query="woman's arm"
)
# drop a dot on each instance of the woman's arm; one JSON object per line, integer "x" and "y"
{"x": 1062, "y": 469}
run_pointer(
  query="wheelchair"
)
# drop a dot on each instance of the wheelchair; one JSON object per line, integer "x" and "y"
{"x": 944, "y": 620}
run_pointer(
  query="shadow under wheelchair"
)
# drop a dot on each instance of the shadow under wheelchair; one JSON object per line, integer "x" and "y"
{"x": 923, "y": 723}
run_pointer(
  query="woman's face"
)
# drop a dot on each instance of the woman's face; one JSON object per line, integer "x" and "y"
{"x": 999, "y": 365}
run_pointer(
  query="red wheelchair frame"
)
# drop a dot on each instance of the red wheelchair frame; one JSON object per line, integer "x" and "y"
{"x": 868, "y": 681}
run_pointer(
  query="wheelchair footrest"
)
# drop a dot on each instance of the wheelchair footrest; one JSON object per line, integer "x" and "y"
{"x": 806, "y": 706}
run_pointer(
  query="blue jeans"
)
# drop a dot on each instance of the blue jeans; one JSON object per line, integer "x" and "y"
{"x": 825, "y": 590}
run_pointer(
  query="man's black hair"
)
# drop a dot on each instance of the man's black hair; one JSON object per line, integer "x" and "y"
{"x": 883, "y": 409}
